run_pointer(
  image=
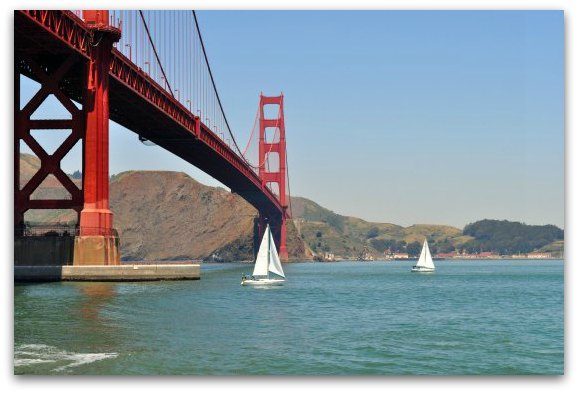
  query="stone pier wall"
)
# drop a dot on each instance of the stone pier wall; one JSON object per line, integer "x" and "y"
{"x": 66, "y": 250}
{"x": 43, "y": 250}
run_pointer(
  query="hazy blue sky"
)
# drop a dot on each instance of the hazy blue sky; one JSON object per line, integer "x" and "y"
{"x": 403, "y": 117}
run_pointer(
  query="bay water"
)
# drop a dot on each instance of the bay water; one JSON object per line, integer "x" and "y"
{"x": 343, "y": 318}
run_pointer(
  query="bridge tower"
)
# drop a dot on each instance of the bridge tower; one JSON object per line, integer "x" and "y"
{"x": 273, "y": 143}
{"x": 96, "y": 242}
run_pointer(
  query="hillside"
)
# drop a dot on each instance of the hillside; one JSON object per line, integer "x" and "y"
{"x": 326, "y": 231}
{"x": 506, "y": 237}
{"x": 159, "y": 218}
{"x": 169, "y": 216}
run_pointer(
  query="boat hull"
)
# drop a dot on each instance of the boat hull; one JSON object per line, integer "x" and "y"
{"x": 262, "y": 282}
{"x": 420, "y": 269}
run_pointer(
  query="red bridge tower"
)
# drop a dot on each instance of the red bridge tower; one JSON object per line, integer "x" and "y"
{"x": 275, "y": 178}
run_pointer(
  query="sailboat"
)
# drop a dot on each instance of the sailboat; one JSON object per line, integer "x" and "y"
{"x": 267, "y": 262}
{"x": 425, "y": 261}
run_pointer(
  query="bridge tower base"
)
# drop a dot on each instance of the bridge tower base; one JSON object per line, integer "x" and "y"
{"x": 96, "y": 250}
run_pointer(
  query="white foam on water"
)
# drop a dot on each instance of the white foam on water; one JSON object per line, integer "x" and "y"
{"x": 31, "y": 354}
{"x": 29, "y": 362}
{"x": 86, "y": 358}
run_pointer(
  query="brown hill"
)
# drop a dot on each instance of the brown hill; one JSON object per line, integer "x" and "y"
{"x": 167, "y": 216}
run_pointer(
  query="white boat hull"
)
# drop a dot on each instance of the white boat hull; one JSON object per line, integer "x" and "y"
{"x": 263, "y": 282}
{"x": 421, "y": 269}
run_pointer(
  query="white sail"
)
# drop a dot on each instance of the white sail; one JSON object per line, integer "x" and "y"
{"x": 262, "y": 262}
{"x": 275, "y": 262}
{"x": 425, "y": 259}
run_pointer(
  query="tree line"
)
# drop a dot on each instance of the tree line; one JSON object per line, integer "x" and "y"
{"x": 507, "y": 237}
{"x": 498, "y": 236}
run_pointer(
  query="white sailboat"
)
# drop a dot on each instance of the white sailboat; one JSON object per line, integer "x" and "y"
{"x": 425, "y": 261}
{"x": 267, "y": 262}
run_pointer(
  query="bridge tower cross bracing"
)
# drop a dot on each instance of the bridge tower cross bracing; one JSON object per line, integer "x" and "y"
{"x": 49, "y": 79}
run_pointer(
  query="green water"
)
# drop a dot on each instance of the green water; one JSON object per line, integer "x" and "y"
{"x": 470, "y": 317}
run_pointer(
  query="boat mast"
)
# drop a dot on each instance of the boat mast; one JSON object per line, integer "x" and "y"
{"x": 268, "y": 250}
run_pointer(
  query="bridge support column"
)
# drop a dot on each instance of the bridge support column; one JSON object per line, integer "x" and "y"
{"x": 283, "y": 254}
{"x": 97, "y": 243}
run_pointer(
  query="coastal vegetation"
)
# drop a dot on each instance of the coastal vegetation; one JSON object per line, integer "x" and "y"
{"x": 506, "y": 237}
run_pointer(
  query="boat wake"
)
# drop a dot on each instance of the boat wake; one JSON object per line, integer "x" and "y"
{"x": 60, "y": 360}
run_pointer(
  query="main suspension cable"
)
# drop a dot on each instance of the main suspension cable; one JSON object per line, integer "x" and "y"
{"x": 215, "y": 87}
{"x": 155, "y": 51}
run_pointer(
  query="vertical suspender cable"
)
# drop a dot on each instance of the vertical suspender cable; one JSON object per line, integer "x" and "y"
{"x": 215, "y": 87}
{"x": 155, "y": 52}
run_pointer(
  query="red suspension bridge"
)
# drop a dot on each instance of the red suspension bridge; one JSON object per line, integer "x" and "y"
{"x": 147, "y": 71}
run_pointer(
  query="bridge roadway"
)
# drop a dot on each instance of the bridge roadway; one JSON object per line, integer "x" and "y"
{"x": 138, "y": 103}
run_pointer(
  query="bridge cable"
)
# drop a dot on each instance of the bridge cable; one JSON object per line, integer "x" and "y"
{"x": 288, "y": 185}
{"x": 223, "y": 111}
{"x": 213, "y": 80}
{"x": 217, "y": 92}
{"x": 155, "y": 52}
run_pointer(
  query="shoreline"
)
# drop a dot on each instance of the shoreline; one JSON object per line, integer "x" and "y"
{"x": 191, "y": 261}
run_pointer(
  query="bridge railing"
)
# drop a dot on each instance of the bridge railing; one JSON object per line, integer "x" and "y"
{"x": 64, "y": 229}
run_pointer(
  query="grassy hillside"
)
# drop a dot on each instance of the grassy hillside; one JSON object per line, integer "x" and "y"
{"x": 556, "y": 248}
{"x": 326, "y": 231}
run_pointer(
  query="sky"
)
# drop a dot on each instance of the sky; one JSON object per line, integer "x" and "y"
{"x": 430, "y": 117}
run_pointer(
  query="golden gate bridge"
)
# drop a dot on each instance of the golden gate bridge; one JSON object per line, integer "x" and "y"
{"x": 149, "y": 72}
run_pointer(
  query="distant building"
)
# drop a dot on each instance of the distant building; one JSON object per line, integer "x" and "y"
{"x": 388, "y": 255}
{"x": 401, "y": 255}
{"x": 539, "y": 255}
{"x": 488, "y": 255}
